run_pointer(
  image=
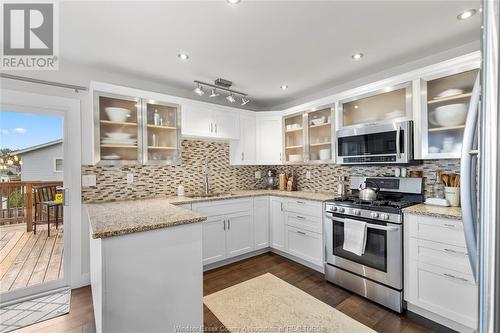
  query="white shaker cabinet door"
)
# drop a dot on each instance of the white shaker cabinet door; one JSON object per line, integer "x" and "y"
{"x": 197, "y": 121}
{"x": 261, "y": 222}
{"x": 269, "y": 140}
{"x": 239, "y": 234}
{"x": 214, "y": 240}
{"x": 277, "y": 224}
{"x": 227, "y": 125}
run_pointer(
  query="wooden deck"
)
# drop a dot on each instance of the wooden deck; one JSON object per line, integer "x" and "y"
{"x": 27, "y": 259}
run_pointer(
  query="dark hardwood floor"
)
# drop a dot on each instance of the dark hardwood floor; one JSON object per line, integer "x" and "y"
{"x": 81, "y": 317}
{"x": 371, "y": 314}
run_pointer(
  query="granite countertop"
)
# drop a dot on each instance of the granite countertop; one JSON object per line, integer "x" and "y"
{"x": 435, "y": 211}
{"x": 315, "y": 196}
{"x": 124, "y": 217}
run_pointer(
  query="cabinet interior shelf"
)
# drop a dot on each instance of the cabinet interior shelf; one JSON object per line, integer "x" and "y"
{"x": 120, "y": 123}
{"x": 320, "y": 144}
{"x": 118, "y": 146}
{"x": 319, "y": 125}
{"x": 449, "y": 98}
{"x": 448, "y": 128}
{"x": 294, "y": 147}
{"x": 162, "y": 148}
{"x": 163, "y": 127}
{"x": 293, "y": 130}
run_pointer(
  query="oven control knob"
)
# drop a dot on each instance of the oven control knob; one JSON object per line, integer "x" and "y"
{"x": 385, "y": 216}
{"x": 334, "y": 209}
{"x": 341, "y": 210}
{"x": 357, "y": 212}
{"x": 374, "y": 215}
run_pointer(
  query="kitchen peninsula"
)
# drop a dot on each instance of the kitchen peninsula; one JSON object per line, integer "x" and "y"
{"x": 146, "y": 266}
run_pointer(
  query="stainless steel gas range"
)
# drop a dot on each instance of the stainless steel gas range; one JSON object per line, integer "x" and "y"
{"x": 377, "y": 274}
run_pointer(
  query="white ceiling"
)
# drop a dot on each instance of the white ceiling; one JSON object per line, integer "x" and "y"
{"x": 259, "y": 45}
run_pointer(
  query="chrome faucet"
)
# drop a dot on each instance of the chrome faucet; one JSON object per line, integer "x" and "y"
{"x": 205, "y": 177}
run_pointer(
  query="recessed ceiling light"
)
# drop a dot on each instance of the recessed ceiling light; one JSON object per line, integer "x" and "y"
{"x": 183, "y": 56}
{"x": 357, "y": 56}
{"x": 467, "y": 14}
{"x": 284, "y": 87}
{"x": 233, "y": 2}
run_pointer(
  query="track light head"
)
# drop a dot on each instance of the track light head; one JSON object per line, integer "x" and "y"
{"x": 199, "y": 91}
{"x": 214, "y": 93}
{"x": 230, "y": 98}
{"x": 244, "y": 101}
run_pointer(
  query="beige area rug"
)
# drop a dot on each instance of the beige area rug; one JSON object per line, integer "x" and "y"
{"x": 268, "y": 304}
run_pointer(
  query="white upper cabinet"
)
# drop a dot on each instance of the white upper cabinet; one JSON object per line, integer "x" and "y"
{"x": 269, "y": 140}
{"x": 242, "y": 151}
{"x": 380, "y": 106}
{"x": 444, "y": 104}
{"x": 206, "y": 121}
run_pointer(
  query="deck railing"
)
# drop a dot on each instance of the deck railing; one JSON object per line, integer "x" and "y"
{"x": 17, "y": 202}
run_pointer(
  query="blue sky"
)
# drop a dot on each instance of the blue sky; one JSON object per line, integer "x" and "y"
{"x": 21, "y": 130}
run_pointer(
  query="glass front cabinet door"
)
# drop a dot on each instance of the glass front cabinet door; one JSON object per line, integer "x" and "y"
{"x": 294, "y": 137}
{"x": 380, "y": 106}
{"x": 117, "y": 129}
{"x": 444, "y": 105}
{"x": 320, "y": 135}
{"x": 161, "y": 133}
{"x": 134, "y": 131}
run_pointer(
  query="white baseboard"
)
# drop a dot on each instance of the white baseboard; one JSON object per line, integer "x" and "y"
{"x": 320, "y": 269}
{"x": 80, "y": 281}
{"x": 439, "y": 319}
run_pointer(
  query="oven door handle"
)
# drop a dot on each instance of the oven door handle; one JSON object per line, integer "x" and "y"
{"x": 368, "y": 225}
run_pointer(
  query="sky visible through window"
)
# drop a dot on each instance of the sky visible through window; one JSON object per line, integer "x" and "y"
{"x": 22, "y": 130}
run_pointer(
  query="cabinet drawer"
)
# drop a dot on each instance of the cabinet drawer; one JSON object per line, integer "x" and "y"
{"x": 223, "y": 207}
{"x": 304, "y": 207}
{"x": 304, "y": 244}
{"x": 435, "y": 229}
{"x": 447, "y": 293}
{"x": 439, "y": 254}
{"x": 303, "y": 222}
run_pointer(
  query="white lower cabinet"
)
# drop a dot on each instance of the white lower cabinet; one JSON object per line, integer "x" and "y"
{"x": 438, "y": 278}
{"x": 214, "y": 240}
{"x": 261, "y": 222}
{"x": 304, "y": 244}
{"x": 239, "y": 234}
{"x": 277, "y": 223}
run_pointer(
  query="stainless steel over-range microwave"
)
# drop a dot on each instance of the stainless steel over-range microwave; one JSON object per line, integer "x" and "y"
{"x": 376, "y": 144}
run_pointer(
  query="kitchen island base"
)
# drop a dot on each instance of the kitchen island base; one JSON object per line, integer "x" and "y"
{"x": 148, "y": 281}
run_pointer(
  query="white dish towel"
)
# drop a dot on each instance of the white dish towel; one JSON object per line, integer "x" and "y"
{"x": 354, "y": 237}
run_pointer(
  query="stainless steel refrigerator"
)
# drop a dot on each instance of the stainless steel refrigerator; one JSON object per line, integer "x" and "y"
{"x": 480, "y": 182}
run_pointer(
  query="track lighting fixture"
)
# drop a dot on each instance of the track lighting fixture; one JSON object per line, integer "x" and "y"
{"x": 199, "y": 91}
{"x": 221, "y": 85}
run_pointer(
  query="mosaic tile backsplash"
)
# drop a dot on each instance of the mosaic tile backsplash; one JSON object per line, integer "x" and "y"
{"x": 152, "y": 181}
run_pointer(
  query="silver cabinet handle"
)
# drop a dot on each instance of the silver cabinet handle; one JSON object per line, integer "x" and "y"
{"x": 449, "y": 225}
{"x": 280, "y": 156}
{"x": 242, "y": 156}
{"x": 455, "y": 277}
{"x": 456, "y": 252}
{"x": 301, "y": 217}
{"x": 301, "y": 232}
{"x": 300, "y": 202}
{"x": 398, "y": 144}
{"x": 224, "y": 224}
{"x": 228, "y": 224}
{"x": 281, "y": 206}
{"x": 216, "y": 128}
{"x": 211, "y": 128}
